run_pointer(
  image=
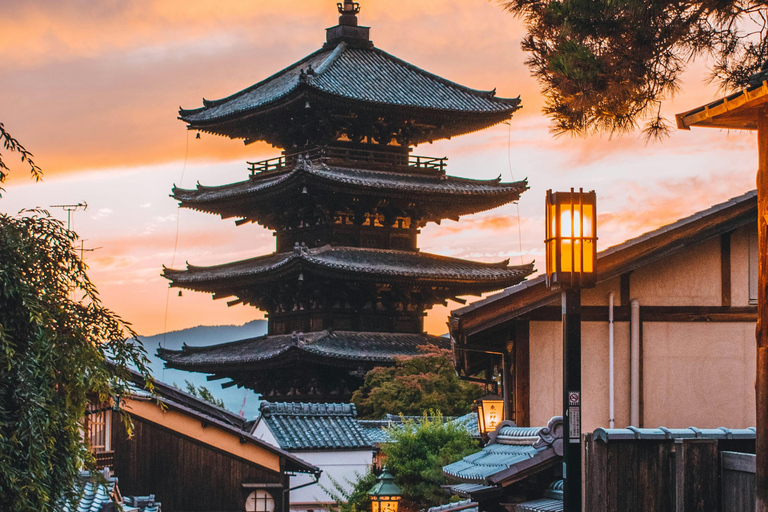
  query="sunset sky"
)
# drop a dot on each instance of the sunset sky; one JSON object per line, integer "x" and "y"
{"x": 92, "y": 88}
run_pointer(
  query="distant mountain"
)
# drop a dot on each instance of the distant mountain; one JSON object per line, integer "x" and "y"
{"x": 203, "y": 335}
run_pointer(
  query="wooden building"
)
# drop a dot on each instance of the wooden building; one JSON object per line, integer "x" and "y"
{"x": 683, "y": 326}
{"x": 347, "y": 288}
{"x": 193, "y": 456}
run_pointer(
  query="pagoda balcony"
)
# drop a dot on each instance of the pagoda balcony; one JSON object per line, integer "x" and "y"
{"x": 344, "y": 157}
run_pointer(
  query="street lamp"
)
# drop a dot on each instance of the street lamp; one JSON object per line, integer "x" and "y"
{"x": 490, "y": 412}
{"x": 571, "y": 254}
{"x": 385, "y": 494}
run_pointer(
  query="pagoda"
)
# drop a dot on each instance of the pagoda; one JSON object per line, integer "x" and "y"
{"x": 347, "y": 287}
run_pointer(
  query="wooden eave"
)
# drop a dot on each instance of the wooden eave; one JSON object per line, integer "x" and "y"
{"x": 611, "y": 263}
{"x": 738, "y": 111}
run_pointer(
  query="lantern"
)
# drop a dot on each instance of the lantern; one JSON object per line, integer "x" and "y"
{"x": 490, "y": 412}
{"x": 385, "y": 495}
{"x": 571, "y": 239}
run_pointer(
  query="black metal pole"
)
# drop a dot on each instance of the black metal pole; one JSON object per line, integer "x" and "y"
{"x": 571, "y": 303}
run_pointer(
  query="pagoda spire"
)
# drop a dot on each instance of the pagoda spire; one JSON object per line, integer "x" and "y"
{"x": 347, "y": 30}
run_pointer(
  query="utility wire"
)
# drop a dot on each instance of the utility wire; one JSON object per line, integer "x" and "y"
{"x": 517, "y": 203}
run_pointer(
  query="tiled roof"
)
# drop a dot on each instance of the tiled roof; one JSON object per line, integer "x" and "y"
{"x": 662, "y": 433}
{"x": 303, "y": 426}
{"x": 363, "y": 263}
{"x": 366, "y": 75}
{"x": 340, "y": 345}
{"x": 514, "y": 451}
{"x": 469, "y": 422}
{"x": 464, "y": 505}
{"x": 540, "y": 505}
{"x": 462, "y": 196}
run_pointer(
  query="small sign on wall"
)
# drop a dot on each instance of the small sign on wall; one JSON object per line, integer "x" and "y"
{"x": 574, "y": 416}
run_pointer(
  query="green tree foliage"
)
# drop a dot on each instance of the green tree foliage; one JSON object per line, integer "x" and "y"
{"x": 203, "y": 393}
{"x": 59, "y": 346}
{"x": 417, "y": 454}
{"x": 416, "y": 384}
{"x": 14, "y": 146}
{"x": 605, "y": 65}
{"x": 354, "y": 500}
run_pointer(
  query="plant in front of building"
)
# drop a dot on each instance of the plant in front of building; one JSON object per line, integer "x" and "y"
{"x": 355, "y": 499}
{"x": 59, "y": 347}
{"x": 415, "y": 385}
{"x": 417, "y": 453}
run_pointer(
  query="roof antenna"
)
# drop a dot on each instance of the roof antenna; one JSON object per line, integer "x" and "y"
{"x": 70, "y": 208}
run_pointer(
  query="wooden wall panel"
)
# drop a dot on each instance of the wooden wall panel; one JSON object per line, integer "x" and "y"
{"x": 185, "y": 476}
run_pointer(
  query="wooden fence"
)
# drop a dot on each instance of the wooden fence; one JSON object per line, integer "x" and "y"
{"x": 738, "y": 481}
{"x": 663, "y": 475}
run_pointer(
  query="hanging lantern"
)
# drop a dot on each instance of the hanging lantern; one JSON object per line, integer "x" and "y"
{"x": 571, "y": 239}
{"x": 385, "y": 494}
{"x": 490, "y": 412}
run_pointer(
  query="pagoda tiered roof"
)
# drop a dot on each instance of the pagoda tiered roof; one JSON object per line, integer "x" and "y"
{"x": 351, "y": 264}
{"x": 437, "y": 195}
{"x": 342, "y": 76}
{"x": 309, "y": 367}
{"x": 334, "y": 348}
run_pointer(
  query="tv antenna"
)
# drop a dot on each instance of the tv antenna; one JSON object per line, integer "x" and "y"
{"x": 84, "y": 250}
{"x": 71, "y": 208}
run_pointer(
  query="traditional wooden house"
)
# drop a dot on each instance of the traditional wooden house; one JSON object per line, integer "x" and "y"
{"x": 325, "y": 435}
{"x": 194, "y": 456}
{"x": 667, "y": 334}
{"x": 347, "y": 288}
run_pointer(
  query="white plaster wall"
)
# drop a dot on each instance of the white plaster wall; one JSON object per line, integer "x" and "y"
{"x": 546, "y": 353}
{"x": 740, "y": 266}
{"x": 690, "y": 277}
{"x": 342, "y": 466}
{"x": 699, "y": 374}
{"x": 262, "y": 432}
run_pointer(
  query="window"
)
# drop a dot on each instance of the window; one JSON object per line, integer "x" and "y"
{"x": 753, "y": 263}
{"x": 98, "y": 424}
{"x": 259, "y": 501}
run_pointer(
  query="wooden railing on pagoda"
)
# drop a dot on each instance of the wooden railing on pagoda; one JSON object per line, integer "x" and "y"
{"x": 372, "y": 158}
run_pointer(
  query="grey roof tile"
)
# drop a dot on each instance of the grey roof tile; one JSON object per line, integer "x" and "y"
{"x": 355, "y": 260}
{"x": 363, "y": 74}
{"x": 343, "y": 345}
{"x": 463, "y": 505}
{"x": 304, "y": 426}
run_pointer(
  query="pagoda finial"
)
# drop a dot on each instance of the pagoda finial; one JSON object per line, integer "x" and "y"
{"x": 349, "y": 7}
{"x": 349, "y": 11}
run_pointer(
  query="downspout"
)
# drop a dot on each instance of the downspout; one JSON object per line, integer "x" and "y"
{"x": 634, "y": 363}
{"x": 611, "y": 389}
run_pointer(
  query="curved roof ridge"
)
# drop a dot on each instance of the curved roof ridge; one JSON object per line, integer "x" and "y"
{"x": 215, "y": 103}
{"x": 488, "y": 94}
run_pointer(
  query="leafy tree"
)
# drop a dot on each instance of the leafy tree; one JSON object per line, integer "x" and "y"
{"x": 59, "y": 346}
{"x": 416, "y": 384}
{"x": 354, "y": 500}
{"x": 203, "y": 393}
{"x": 605, "y": 65}
{"x": 417, "y": 454}
{"x": 14, "y": 146}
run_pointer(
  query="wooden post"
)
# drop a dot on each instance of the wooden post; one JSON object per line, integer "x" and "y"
{"x": 761, "y": 331}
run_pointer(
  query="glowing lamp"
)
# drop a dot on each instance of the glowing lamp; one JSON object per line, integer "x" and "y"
{"x": 490, "y": 412}
{"x": 571, "y": 239}
{"x": 385, "y": 494}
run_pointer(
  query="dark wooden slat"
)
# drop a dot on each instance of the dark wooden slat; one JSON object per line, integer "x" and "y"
{"x": 735, "y": 461}
{"x": 725, "y": 268}
{"x": 522, "y": 374}
{"x": 625, "y": 290}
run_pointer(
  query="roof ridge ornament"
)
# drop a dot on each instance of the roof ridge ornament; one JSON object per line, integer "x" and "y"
{"x": 348, "y": 7}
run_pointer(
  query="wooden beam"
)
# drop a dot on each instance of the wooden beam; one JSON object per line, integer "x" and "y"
{"x": 761, "y": 332}
{"x": 652, "y": 314}
{"x": 522, "y": 388}
{"x": 725, "y": 268}
{"x": 625, "y": 290}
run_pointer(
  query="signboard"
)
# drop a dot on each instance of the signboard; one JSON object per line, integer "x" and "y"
{"x": 574, "y": 416}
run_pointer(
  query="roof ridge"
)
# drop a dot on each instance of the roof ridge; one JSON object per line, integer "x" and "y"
{"x": 488, "y": 94}
{"x": 220, "y": 101}
{"x": 332, "y": 58}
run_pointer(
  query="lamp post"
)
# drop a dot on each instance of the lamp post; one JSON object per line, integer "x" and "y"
{"x": 385, "y": 494}
{"x": 490, "y": 412}
{"x": 571, "y": 254}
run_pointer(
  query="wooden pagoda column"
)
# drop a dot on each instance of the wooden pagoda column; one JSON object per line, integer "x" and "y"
{"x": 761, "y": 331}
